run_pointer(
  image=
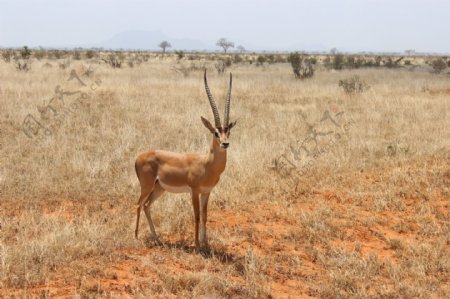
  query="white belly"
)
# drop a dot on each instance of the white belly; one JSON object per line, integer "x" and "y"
{"x": 182, "y": 189}
{"x": 175, "y": 189}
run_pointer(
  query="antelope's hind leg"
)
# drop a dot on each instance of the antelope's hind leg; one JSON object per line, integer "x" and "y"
{"x": 147, "y": 180}
{"x": 158, "y": 191}
{"x": 142, "y": 200}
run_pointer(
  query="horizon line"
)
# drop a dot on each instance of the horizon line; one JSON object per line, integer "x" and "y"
{"x": 209, "y": 51}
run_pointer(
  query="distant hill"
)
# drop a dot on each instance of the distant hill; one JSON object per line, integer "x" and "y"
{"x": 148, "y": 40}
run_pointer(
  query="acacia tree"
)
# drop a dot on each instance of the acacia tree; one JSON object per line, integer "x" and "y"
{"x": 241, "y": 49}
{"x": 225, "y": 44}
{"x": 164, "y": 45}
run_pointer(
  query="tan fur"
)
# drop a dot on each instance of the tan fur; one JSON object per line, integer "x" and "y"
{"x": 159, "y": 171}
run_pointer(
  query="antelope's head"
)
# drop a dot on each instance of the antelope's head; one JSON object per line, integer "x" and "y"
{"x": 221, "y": 132}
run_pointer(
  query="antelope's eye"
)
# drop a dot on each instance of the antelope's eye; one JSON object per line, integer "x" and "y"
{"x": 216, "y": 134}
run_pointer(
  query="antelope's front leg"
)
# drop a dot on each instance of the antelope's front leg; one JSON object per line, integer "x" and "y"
{"x": 204, "y": 206}
{"x": 195, "y": 203}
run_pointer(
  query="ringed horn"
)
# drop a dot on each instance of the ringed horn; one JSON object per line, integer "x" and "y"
{"x": 212, "y": 102}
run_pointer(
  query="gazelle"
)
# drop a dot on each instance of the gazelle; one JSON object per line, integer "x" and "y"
{"x": 159, "y": 171}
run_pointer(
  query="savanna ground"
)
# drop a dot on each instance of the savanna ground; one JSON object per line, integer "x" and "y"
{"x": 368, "y": 217}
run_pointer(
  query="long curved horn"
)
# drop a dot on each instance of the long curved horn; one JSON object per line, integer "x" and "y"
{"x": 212, "y": 103}
{"x": 227, "y": 104}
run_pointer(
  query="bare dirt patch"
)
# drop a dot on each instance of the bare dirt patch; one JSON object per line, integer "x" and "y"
{"x": 314, "y": 246}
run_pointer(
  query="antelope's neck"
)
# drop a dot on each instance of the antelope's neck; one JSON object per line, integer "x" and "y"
{"x": 217, "y": 158}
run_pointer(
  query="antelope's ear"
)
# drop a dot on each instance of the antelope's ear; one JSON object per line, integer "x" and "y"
{"x": 231, "y": 125}
{"x": 208, "y": 125}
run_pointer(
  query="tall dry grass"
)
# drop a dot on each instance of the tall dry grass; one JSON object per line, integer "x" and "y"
{"x": 151, "y": 106}
{"x": 72, "y": 195}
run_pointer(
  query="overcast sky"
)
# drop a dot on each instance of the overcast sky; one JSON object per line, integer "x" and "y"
{"x": 348, "y": 25}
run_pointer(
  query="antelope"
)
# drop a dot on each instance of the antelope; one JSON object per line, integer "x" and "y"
{"x": 159, "y": 171}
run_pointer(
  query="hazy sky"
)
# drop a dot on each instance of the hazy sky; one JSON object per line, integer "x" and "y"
{"x": 349, "y": 25}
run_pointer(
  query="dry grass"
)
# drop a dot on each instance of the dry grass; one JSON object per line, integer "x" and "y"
{"x": 368, "y": 219}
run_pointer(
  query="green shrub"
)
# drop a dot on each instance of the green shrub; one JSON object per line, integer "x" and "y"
{"x": 90, "y": 54}
{"x": 237, "y": 58}
{"x": 222, "y": 65}
{"x": 270, "y": 58}
{"x": 338, "y": 62}
{"x": 302, "y": 66}
{"x": 282, "y": 59}
{"x": 378, "y": 61}
{"x": 23, "y": 62}
{"x": 39, "y": 54}
{"x": 353, "y": 85}
{"x": 7, "y": 55}
{"x": 438, "y": 65}
{"x": 115, "y": 61}
{"x": 392, "y": 63}
{"x": 193, "y": 57}
{"x": 54, "y": 54}
{"x": 25, "y": 53}
{"x": 180, "y": 54}
{"x": 260, "y": 60}
{"x": 354, "y": 62}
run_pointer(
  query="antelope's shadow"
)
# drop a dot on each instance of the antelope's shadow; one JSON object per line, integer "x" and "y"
{"x": 210, "y": 252}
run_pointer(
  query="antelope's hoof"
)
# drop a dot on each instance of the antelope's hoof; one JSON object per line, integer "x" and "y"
{"x": 156, "y": 241}
{"x": 153, "y": 240}
{"x": 204, "y": 247}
